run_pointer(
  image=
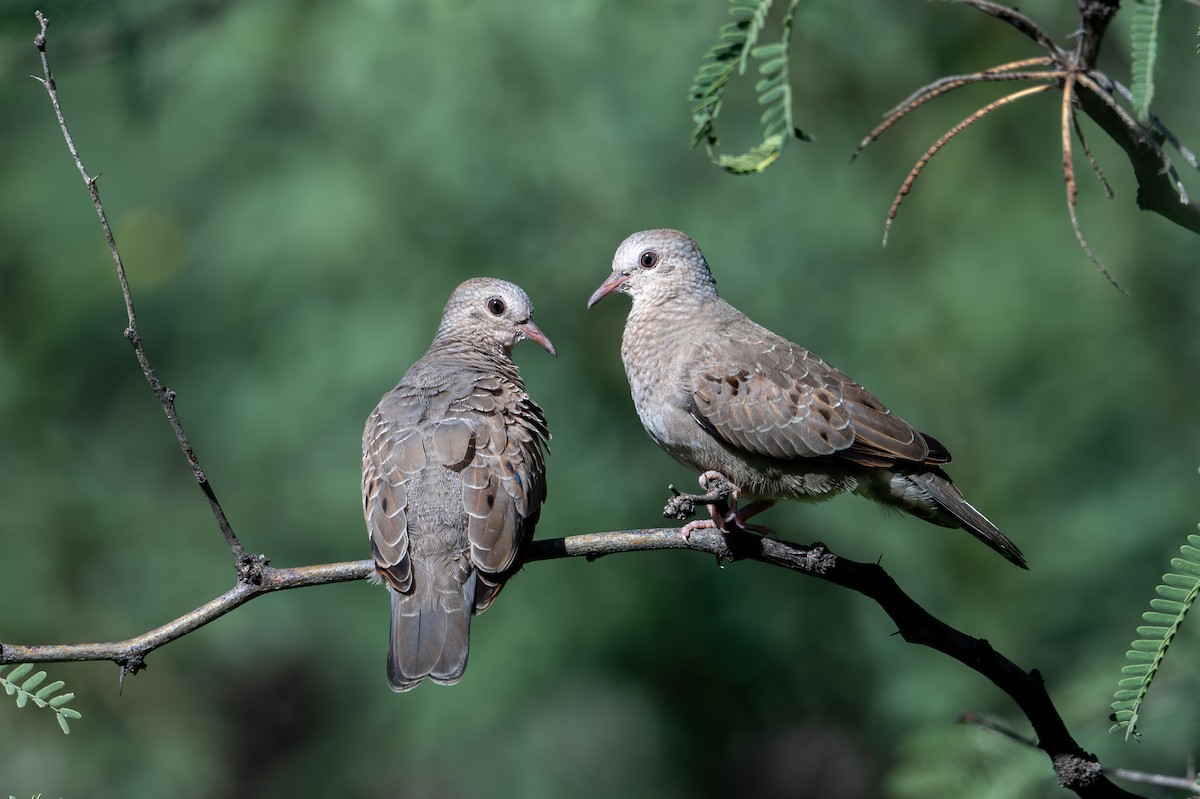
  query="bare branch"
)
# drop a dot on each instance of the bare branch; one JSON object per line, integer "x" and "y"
{"x": 1019, "y": 21}
{"x": 1186, "y": 783}
{"x": 936, "y": 147}
{"x": 1108, "y": 191}
{"x": 249, "y": 566}
{"x": 130, "y": 654}
{"x": 999, "y": 70}
{"x": 937, "y": 89}
{"x": 1158, "y": 188}
{"x": 1077, "y": 770}
{"x": 1068, "y": 164}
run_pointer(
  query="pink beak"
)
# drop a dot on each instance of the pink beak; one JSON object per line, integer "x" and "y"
{"x": 614, "y": 282}
{"x": 535, "y": 334}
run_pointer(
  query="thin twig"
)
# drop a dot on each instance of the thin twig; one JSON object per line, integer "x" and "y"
{"x": 248, "y": 566}
{"x": 938, "y": 88}
{"x": 984, "y": 723}
{"x": 998, "y": 70}
{"x": 1108, "y": 191}
{"x": 1021, "y": 22}
{"x": 1068, "y": 164}
{"x": 1187, "y": 783}
{"x": 1159, "y": 189}
{"x": 915, "y": 172}
{"x": 1161, "y": 780}
{"x": 130, "y": 654}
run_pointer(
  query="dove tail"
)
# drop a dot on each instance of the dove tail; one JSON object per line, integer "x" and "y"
{"x": 951, "y": 501}
{"x": 430, "y": 634}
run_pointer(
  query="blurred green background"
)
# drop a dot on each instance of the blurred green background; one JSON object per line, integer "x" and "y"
{"x": 297, "y": 186}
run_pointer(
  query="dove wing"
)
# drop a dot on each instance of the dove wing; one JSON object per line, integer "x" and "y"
{"x": 767, "y": 396}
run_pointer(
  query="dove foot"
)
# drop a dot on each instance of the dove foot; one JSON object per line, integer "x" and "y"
{"x": 686, "y": 531}
{"x": 720, "y": 499}
{"x": 736, "y": 519}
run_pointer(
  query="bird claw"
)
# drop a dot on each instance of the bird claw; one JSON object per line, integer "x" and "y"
{"x": 718, "y": 487}
{"x": 720, "y": 498}
{"x": 686, "y": 531}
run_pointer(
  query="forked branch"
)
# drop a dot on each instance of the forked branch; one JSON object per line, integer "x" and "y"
{"x": 1071, "y": 72}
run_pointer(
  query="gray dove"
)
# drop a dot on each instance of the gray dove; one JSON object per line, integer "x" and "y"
{"x": 453, "y": 479}
{"x": 722, "y": 394}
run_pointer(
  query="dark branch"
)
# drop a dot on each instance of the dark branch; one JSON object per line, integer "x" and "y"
{"x": 1077, "y": 770}
{"x": 249, "y": 566}
{"x": 1158, "y": 187}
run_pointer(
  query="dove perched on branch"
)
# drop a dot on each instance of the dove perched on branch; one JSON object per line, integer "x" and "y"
{"x": 720, "y": 393}
{"x": 454, "y": 478}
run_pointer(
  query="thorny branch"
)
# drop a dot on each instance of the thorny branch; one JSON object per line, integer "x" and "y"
{"x": 1077, "y": 770}
{"x": 249, "y": 566}
{"x": 1072, "y": 72}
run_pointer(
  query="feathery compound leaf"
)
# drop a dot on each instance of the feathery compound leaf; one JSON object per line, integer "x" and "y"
{"x": 46, "y": 697}
{"x": 738, "y": 45}
{"x": 1178, "y": 591}
{"x": 1143, "y": 48}
{"x": 721, "y": 62}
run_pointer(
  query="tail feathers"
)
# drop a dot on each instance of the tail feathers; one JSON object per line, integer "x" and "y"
{"x": 950, "y": 500}
{"x": 430, "y": 633}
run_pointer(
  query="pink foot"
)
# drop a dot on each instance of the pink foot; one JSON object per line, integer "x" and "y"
{"x": 698, "y": 524}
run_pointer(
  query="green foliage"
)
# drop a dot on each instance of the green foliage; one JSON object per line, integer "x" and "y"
{"x": 730, "y": 56}
{"x": 1143, "y": 49}
{"x": 1175, "y": 597}
{"x": 319, "y": 223}
{"x": 46, "y": 696}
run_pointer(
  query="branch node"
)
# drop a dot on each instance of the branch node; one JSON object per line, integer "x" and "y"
{"x": 1076, "y": 771}
{"x": 252, "y": 569}
{"x": 683, "y": 506}
{"x": 818, "y": 559}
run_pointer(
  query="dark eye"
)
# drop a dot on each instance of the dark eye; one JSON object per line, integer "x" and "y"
{"x": 495, "y": 305}
{"x": 648, "y": 259}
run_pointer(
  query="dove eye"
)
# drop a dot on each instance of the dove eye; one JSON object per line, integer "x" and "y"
{"x": 495, "y": 306}
{"x": 648, "y": 259}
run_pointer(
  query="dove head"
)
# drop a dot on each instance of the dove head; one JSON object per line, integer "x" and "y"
{"x": 658, "y": 267}
{"x": 488, "y": 312}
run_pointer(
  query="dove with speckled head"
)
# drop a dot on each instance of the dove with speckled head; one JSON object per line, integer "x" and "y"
{"x": 723, "y": 394}
{"x": 453, "y": 479}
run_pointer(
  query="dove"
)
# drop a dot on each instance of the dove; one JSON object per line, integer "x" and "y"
{"x": 727, "y": 397}
{"x": 453, "y": 479}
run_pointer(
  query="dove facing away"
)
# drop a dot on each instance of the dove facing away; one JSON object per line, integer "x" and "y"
{"x": 453, "y": 479}
{"x": 719, "y": 392}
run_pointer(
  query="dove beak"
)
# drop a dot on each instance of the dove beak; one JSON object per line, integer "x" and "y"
{"x": 615, "y": 281}
{"x": 534, "y": 333}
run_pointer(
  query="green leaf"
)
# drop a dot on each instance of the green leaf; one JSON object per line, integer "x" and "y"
{"x": 1176, "y": 594}
{"x": 739, "y": 43}
{"x": 768, "y": 83}
{"x": 49, "y": 689}
{"x": 19, "y": 672}
{"x": 1143, "y": 49}
{"x": 765, "y": 51}
{"x": 772, "y": 96}
{"x": 44, "y": 698}
{"x": 34, "y": 681}
{"x": 61, "y": 700}
{"x": 772, "y": 67}
{"x": 1172, "y": 593}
